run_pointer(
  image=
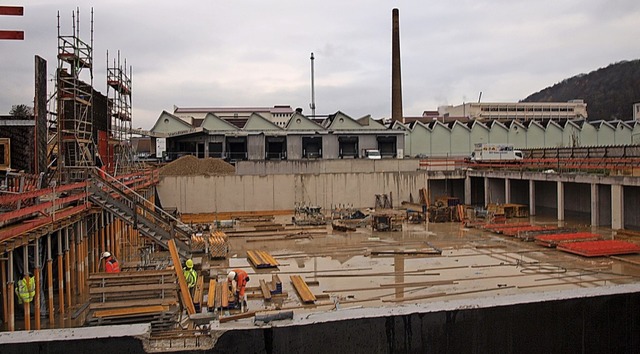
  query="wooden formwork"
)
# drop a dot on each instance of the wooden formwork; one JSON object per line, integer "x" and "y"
{"x": 134, "y": 297}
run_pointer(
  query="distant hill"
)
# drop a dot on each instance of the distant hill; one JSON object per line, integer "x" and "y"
{"x": 609, "y": 92}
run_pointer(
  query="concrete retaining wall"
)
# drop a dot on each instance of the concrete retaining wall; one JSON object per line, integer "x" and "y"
{"x": 608, "y": 322}
{"x": 325, "y": 166}
{"x": 208, "y": 194}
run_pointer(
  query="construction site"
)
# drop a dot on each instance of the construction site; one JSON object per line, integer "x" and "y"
{"x": 389, "y": 255}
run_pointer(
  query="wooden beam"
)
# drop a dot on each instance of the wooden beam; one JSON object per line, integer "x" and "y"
{"x": 266, "y": 292}
{"x": 12, "y": 10}
{"x": 198, "y": 293}
{"x": 184, "y": 289}
{"x": 11, "y": 35}
{"x": 211, "y": 296}
{"x": 130, "y": 311}
{"x": 237, "y": 317}
{"x": 302, "y": 289}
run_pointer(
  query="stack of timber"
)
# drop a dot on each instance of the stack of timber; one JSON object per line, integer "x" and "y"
{"x": 515, "y": 210}
{"x": 218, "y": 244}
{"x": 306, "y": 296}
{"x": 134, "y": 297}
{"x": 198, "y": 243}
{"x": 261, "y": 259}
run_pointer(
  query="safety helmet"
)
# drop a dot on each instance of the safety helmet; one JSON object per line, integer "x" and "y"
{"x": 189, "y": 263}
{"x": 107, "y": 254}
{"x": 231, "y": 275}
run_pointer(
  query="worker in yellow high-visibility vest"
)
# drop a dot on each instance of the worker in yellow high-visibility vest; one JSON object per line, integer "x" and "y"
{"x": 26, "y": 288}
{"x": 190, "y": 275}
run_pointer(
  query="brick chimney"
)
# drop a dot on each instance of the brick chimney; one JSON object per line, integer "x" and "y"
{"x": 396, "y": 73}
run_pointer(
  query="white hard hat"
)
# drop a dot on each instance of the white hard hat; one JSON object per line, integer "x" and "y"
{"x": 106, "y": 254}
{"x": 231, "y": 275}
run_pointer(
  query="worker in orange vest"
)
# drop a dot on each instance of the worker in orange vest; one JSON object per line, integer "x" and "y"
{"x": 238, "y": 279}
{"x": 110, "y": 264}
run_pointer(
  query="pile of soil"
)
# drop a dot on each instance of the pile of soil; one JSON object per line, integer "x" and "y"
{"x": 193, "y": 166}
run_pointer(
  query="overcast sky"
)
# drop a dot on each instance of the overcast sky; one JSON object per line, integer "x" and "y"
{"x": 256, "y": 53}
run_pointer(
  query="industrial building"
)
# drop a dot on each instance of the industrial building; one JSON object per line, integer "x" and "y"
{"x": 443, "y": 286}
{"x": 255, "y": 137}
{"x": 521, "y": 111}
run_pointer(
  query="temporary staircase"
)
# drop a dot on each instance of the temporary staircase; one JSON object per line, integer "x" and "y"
{"x": 132, "y": 208}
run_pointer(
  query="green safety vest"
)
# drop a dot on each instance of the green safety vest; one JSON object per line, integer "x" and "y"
{"x": 190, "y": 276}
{"x": 27, "y": 292}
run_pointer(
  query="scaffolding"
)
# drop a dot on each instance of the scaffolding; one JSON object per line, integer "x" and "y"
{"x": 120, "y": 154}
{"x": 74, "y": 128}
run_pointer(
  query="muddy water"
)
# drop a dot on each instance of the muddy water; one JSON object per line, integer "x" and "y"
{"x": 473, "y": 263}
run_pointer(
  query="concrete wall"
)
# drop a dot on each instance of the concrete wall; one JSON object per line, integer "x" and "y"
{"x": 519, "y": 191}
{"x": 631, "y": 205}
{"x": 325, "y": 166}
{"x": 604, "y": 202}
{"x": 255, "y": 147}
{"x": 607, "y": 323}
{"x": 496, "y": 191}
{"x": 208, "y": 194}
{"x": 294, "y": 147}
{"x": 577, "y": 200}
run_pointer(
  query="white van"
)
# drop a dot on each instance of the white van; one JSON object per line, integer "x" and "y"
{"x": 372, "y": 154}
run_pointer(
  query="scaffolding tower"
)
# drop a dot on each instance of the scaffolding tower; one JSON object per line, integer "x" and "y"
{"x": 74, "y": 102}
{"x": 119, "y": 101}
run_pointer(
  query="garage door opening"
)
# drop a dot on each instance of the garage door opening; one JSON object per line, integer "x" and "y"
{"x": 276, "y": 148}
{"x": 348, "y": 147}
{"x": 215, "y": 150}
{"x": 387, "y": 146}
{"x": 312, "y": 147}
{"x": 237, "y": 149}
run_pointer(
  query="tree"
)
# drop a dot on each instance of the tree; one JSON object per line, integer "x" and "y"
{"x": 21, "y": 111}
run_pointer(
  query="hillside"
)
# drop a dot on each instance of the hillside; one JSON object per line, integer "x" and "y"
{"x": 609, "y": 92}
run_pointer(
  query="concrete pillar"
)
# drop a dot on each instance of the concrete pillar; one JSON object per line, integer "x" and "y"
{"x": 467, "y": 190}
{"x": 507, "y": 191}
{"x": 560, "y": 191}
{"x": 487, "y": 194}
{"x": 595, "y": 203}
{"x": 532, "y": 197}
{"x": 617, "y": 207}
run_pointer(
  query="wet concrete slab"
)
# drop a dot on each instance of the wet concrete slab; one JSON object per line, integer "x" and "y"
{"x": 474, "y": 264}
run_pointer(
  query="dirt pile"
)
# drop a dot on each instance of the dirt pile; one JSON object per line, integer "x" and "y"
{"x": 193, "y": 166}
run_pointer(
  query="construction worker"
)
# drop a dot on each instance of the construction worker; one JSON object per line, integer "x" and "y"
{"x": 190, "y": 274}
{"x": 238, "y": 280}
{"x": 110, "y": 264}
{"x": 26, "y": 289}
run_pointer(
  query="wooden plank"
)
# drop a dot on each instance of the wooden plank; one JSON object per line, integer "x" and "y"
{"x": 130, "y": 311}
{"x": 12, "y": 10}
{"x": 266, "y": 292}
{"x": 224, "y": 299}
{"x": 129, "y": 275}
{"x": 302, "y": 289}
{"x": 131, "y": 288}
{"x": 211, "y": 296}
{"x": 237, "y": 317}
{"x": 169, "y": 301}
{"x": 184, "y": 289}
{"x": 198, "y": 293}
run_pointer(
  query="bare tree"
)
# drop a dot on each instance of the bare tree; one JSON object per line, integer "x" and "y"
{"x": 21, "y": 111}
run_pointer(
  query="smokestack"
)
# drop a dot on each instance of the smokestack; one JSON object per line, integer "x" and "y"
{"x": 396, "y": 76}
